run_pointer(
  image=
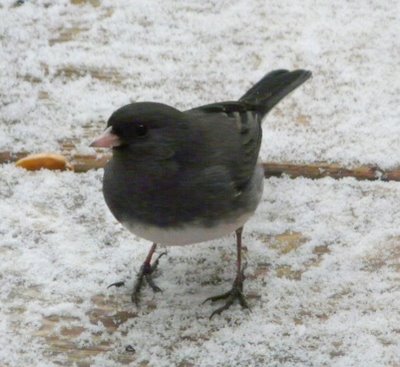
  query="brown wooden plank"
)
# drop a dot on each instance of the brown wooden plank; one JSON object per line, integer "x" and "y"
{"x": 320, "y": 170}
{"x": 83, "y": 163}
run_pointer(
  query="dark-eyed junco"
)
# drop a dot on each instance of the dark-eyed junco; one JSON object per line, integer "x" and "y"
{"x": 183, "y": 177}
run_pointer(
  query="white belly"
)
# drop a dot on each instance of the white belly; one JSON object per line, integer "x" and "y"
{"x": 187, "y": 234}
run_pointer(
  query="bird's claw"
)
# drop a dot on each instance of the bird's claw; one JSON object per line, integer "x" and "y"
{"x": 235, "y": 293}
{"x": 117, "y": 284}
{"x": 230, "y": 296}
{"x": 146, "y": 272}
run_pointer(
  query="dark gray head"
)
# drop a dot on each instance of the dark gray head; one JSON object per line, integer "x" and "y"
{"x": 145, "y": 128}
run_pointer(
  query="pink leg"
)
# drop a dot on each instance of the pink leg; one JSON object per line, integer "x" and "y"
{"x": 146, "y": 272}
{"x": 236, "y": 293}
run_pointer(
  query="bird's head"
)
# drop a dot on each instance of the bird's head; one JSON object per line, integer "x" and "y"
{"x": 152, "y": 129}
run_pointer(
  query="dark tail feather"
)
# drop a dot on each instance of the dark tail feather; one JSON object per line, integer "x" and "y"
{"x": 273, "y": 87}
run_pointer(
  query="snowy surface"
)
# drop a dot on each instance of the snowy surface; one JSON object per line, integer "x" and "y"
{"x": 323, "y": 256}
{"x": 328, "y": 298}
{"x": 65, "y": 66}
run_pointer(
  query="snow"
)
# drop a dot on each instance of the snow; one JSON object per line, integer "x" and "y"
{"x": 323, "y": 256}
{"x": 69, "y": 66}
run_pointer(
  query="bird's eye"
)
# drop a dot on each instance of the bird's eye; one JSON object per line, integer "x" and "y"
{"x": 141, "y": 130}
{"x": 116, "y": 130}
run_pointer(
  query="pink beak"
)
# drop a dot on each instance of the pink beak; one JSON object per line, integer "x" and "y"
{"x": 106, "y": 140}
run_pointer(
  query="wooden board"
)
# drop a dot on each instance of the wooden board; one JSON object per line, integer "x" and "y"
{"x": 83, "y": 163}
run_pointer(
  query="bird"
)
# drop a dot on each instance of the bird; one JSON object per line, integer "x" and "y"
{"x": 184, "y": 177}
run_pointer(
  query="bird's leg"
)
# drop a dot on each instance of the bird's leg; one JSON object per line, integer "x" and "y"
{"x": 236, "y": 292}
{"x": 145, "y": 272}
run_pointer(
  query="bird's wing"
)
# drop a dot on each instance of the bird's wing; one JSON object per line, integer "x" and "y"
{"x": 239, "y": 122}
{"x": 239, "y": 138}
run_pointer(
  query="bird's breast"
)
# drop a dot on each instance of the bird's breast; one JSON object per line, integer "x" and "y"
{"x": 179, "y": 209}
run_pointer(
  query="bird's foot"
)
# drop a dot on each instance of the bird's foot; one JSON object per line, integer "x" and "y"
{"x": 146, "y": 271}
{"x": 235, "y": 293}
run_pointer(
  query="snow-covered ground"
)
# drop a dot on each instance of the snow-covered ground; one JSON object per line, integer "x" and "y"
{"x": 323, "y": 256}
